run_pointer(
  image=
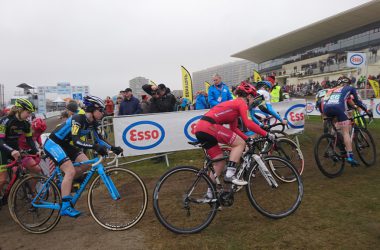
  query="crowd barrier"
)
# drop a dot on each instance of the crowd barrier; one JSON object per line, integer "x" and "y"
{"x": 168, "y": 132}
{"x": 373, "y": 104}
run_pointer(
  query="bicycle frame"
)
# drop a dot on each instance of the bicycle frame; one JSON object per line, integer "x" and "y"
{"x": 96, "y": 167}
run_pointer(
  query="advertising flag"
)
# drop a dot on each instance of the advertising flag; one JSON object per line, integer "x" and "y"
{"x": 356, "y": 59}
{"x": 207, "y": 86}
{"x": 256, "y": 76}
{"x": 187, "y": 84}
{"x": 375, "y": 86}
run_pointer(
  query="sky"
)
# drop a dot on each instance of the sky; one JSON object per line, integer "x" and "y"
{"x": 105, "y": 43}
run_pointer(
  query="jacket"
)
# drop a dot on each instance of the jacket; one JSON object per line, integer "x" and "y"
{"x": 130, "y": 107}
{"x": 217, "y": 95}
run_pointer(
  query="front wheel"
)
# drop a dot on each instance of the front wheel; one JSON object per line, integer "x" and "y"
{"x": 365, "y": 146}
{"x": 275, "y": 202}
{"x": 180, "y": 203}
{"x": 327, "y": 156}
{"x": 125, "y": 212}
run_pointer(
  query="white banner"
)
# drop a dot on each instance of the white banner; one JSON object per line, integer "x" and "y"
{"x": 372, "y": 104}
{"x": 355, "y": 59}
{"x": 165, "y": 132}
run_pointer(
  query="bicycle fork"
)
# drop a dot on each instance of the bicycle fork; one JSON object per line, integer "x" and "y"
{"x": 265, "y": 172}
{"x": 109, "y": 184}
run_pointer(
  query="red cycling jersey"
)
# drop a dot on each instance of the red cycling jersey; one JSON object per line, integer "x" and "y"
{"x": 228, "y": 113}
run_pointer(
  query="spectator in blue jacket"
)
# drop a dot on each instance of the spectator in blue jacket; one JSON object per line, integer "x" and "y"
{"x": 218, "y": 92}
{"x": 200, "y": 101}
{"x": 130, "y": 105}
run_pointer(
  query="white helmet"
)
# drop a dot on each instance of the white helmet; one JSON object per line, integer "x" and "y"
{"x": 93, "y": 102}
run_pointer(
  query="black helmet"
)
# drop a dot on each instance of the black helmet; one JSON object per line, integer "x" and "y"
{"x": 344, "y": 80}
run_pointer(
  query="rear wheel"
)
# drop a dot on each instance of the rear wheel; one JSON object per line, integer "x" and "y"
{"x": 180, "y": 203}
{"x": 328, "y": 156}
{"x": 32, "y": 219}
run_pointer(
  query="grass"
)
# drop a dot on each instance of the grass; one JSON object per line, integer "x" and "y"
{"x": 335, "y": 213}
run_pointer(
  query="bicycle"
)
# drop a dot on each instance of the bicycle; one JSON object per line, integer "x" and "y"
{"x": 18, "y": 172}
{"x": 117, "y": 205}
{"x": 181, "y": 206}
{"x": 330, "y": 152}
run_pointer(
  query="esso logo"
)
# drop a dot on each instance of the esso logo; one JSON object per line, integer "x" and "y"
{"x": 356, "y": 59}
{"x": 378, "y": 108}
{"x": 143, "y": 135}
{"x": 309, "y": 107}
{"x": 189, "y": 129}
{"x": 296, "y": 116}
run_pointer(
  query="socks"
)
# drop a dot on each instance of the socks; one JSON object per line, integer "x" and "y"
{"x": 231, "y": 168}
{"x": 350, "y": 154}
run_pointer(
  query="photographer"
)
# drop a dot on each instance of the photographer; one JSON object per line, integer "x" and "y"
{"x": 162, "y": 100}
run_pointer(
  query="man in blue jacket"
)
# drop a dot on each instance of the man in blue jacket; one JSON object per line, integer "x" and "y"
{"x": 130, "y": 105}
{"x": 218, "y": 92}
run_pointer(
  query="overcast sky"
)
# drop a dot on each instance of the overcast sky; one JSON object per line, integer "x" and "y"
{"x": 106, "y": 43}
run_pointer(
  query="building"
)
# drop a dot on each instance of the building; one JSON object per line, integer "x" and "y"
{"x": 232, "y": 74}
{"x": 318, "y": 52}
{"x": 136, "y": 85}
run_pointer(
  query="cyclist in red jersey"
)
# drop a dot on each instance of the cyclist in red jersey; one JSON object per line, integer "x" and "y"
{"x": 210, "y": 131}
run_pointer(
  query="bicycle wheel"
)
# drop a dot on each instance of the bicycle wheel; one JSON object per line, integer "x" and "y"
{"x": 275, "y": 202}
{"x": 327, "y": 156}
{"x": 125, "y": 212}
{"x": 290, "y": 151}
{"x": 32, "y": 219}
{"x": 179, "y": 200}
{"x": 365, "y": 146}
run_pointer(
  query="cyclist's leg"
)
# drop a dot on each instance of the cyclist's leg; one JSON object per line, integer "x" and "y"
{"x": 58, "y": 155}
{"x": 345, "y": 125}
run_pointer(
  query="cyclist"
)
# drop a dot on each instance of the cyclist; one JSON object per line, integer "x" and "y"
{"x": 336, "y": 105}
{"x": 58, "y": 147}
{"x": 12, "y": 127}
{"x": 210, "y": 131}
{"x": 265, "y": 106}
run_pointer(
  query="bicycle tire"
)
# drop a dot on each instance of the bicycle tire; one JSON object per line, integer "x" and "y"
{"x": 289, "y": 150}
{"x": 22, "y": 197}
{"x": 167, "y": 197}
{"x": 361, "y": 142}
{"x": 263, "y": 201}
{"x": 334, "y": 164}
{"x": 131, "y": 206}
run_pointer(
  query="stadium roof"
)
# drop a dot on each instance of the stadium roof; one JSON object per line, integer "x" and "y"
{"x": 311, "y": 34}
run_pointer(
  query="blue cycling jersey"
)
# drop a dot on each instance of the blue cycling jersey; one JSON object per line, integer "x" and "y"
{"x": 339, "y": 96}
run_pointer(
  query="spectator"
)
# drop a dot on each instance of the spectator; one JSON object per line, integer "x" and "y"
{"x": 119, "y": 99}
{"x": 276, "y": 93}
{"x": 218, "y": 92}
{"x": 162, "y": 100}
{"x": 184, "y": 103}
{"x": 130, "y": 105}
{"x": 109, "y": 106}
{"x": 145, "y": 104}
{"x": 200, "y": 101}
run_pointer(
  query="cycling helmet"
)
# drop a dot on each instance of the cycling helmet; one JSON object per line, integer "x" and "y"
{"x": 25, "y": 104}
{"x": 247, "y": 88}
{"x": 267, "y": 84}
{"x": 92, "y": 102}
{"x": 39, "y": 124}
{"x": 344, "y": 80}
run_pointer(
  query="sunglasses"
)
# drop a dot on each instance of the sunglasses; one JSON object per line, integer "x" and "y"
{"x": 101, "y": 110}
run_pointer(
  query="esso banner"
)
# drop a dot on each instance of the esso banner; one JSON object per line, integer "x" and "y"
{"x": 166, "y": 132}
{"x": 355, "y": 59}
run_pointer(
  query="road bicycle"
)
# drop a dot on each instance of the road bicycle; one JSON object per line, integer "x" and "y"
{"x": 117, "y": 198}
{"x": 330, "y": 152}
{"x": 180, "y": 203}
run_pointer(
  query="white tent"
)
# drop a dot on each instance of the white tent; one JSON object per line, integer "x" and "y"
{"x": 58, "y": 100}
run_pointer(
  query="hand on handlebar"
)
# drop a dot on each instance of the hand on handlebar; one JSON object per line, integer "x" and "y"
{"x": 369, "y": 113}
{"x": 285, "y": 122}
{"x": 117, "y": 150}
{"x": 16, "y": 154}
{"x": 271, "y": 137}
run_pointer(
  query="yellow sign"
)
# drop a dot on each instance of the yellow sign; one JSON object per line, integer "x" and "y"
{"x": 207, "y": 86}
{"x": 375, "y": 86}
{"x": 187, "y": 84}
{"x": 256, "y": 76}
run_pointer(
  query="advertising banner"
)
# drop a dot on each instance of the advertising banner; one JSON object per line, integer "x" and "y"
{"x": 165, "y": 132}
{"x": 355, "y": 59}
